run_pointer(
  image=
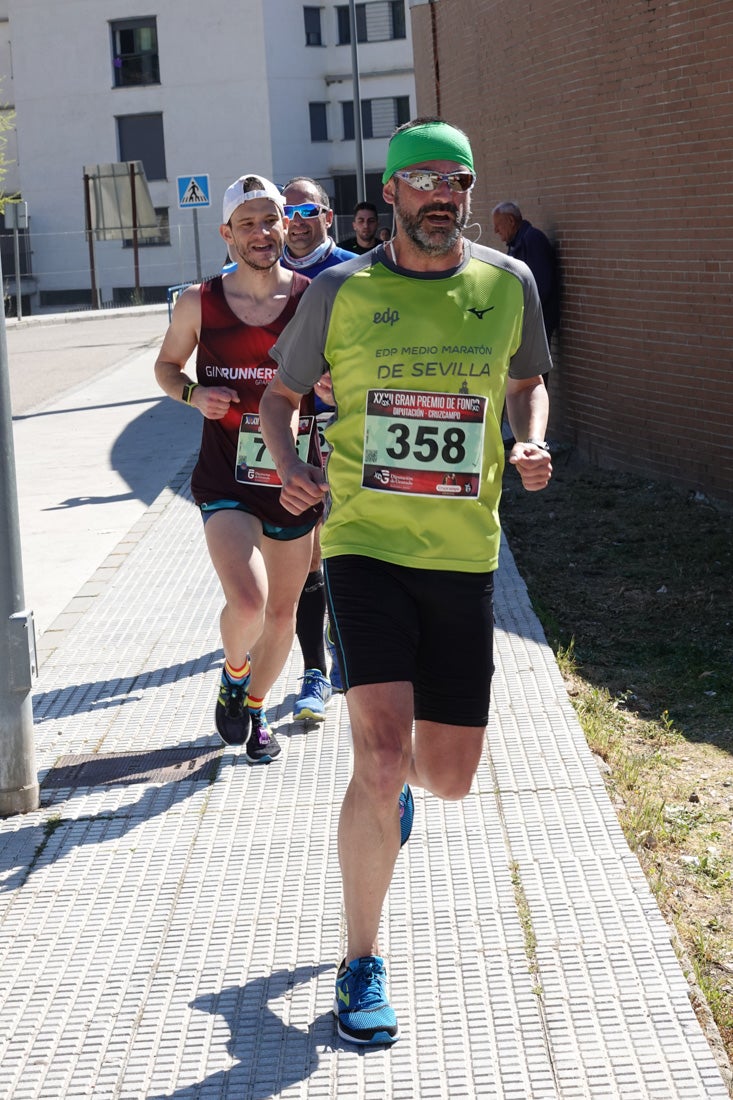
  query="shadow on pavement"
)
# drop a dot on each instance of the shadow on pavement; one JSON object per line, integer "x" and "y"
{"x": 101, "y": 694}
{"x": 257, "y": 1033}
{"x": 146, "y": 454}
{"x": 32, "y": 847}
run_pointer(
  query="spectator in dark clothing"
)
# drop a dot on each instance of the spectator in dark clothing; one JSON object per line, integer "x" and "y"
{"x": 524, "y": 241}
{"x": 365, "y": 225}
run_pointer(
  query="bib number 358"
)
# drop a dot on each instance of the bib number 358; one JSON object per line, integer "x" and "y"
{"x": 429, "y": 444}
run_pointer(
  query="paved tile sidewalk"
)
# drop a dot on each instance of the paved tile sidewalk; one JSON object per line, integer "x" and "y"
{"x": 170, "y": 919}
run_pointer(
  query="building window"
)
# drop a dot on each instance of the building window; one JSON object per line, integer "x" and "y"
{"x": 312, "y": 19}
{"x": 347, "y": 118}
{"x": 140, "y": 137}
{"x": 379, "y": 117}
{"x": 319, "y": 121}
{"x": 135, "y": 52}
{"x": 379, "y": 21}
{"x": 345, "y": 198}
{"x": 344, "y": 25}
{"x": 163, "y": 220}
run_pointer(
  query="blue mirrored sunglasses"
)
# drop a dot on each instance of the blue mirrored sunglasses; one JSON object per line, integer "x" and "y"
{"x": 421, "y": 179}
{"x": 305, "y": 209}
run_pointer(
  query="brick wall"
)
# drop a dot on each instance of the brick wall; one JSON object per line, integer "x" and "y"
{"x": 612, "y": 126}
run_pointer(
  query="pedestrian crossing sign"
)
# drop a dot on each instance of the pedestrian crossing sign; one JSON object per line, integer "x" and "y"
{"x": 193, "y": 191}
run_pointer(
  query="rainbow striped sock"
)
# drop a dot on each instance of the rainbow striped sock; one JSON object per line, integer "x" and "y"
{"x": 237, "y": 675}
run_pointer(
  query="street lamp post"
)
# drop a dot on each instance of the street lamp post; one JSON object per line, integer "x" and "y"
{"x": 358, "y": 137}
{"x": 19, "y": 790}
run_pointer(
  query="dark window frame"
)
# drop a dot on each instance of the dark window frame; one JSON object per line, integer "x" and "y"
{"x": 318, "y": 115}
{"x": 313, "y": 33}
{"x": 147, "y": 147}
{"x": 399, "y": 28}
{"x": 134, "y": 67}
{"x": 401, "y": 112}
{"x": 395, "y": 24}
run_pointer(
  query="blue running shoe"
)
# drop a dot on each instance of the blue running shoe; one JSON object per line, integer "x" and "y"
{"x": 314, "y": 695}
{"x": 362, "y": 1010}
{"x": 337, "y": 683}
{"x": 407, "y": 812}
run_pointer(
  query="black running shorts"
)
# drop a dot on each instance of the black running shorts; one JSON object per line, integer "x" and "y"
{"x": 431, "y": 627}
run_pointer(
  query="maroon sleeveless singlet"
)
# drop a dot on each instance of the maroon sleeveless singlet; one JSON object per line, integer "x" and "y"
{"x": 234, "y": 354}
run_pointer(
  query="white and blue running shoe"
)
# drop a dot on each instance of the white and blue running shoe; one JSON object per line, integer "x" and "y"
{"x": 407, "y": 813}
{"x": 362, "y": 1011}
{"x": 314, "y": 694}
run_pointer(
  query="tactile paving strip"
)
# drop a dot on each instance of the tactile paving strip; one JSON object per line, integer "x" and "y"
{"x": 166, "y": 939}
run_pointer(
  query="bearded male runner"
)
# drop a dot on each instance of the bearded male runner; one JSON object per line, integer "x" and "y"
{"x": 425, "y": 338}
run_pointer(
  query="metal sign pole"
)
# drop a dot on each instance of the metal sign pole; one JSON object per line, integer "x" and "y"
{"x": 135, "y": 249}
{"x": 19, "y": 789}
{"x": 196, "y": 245}
{"x": 358, "y": 137}
{"x": 90, "y": 237}
{"x": 16, "y": 218}
{"x": 16, "y": 255}
{"x": 193, "y": 192}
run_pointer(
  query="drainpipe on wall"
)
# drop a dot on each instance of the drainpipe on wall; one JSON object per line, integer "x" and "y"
{"x": 436, "y": 63}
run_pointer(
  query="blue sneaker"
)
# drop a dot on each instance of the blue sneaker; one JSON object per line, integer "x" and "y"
{"x": 337, "y": 683}
{"x": 314, "y": 695}
{"x": 407, "y": 813}
{"x": 362, "y": 1010}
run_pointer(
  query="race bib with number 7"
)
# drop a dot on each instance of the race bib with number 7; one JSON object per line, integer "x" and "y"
{"x": 254, "y": 462}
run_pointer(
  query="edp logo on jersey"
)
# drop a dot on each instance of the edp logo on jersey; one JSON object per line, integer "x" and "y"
{"x": 387, "y": 318}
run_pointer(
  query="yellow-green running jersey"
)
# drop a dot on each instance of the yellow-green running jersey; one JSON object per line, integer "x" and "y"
{"x": 419, "y": 364}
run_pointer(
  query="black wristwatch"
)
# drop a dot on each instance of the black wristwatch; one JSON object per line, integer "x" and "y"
{"x": 543, "y": 446}
{"x": 188, "y": 391}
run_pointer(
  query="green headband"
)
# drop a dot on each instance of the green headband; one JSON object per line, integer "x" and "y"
{"x": 428, "y": 141}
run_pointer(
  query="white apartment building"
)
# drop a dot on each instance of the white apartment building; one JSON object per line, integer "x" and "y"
{"x": 206, "y": 90}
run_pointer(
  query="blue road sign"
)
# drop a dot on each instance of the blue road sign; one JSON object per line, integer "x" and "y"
{"x": 193, "y": 191}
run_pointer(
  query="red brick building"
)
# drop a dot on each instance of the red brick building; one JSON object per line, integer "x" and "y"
{"x": 611, "y": 125}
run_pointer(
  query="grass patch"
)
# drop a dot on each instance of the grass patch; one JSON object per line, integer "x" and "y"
{"x": 528, "y": 932}
{"x": 632, "y": 583}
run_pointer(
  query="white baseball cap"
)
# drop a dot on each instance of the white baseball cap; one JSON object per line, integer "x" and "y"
{"x": 250, "y": 186}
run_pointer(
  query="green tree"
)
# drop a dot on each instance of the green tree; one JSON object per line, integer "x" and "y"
{"x": 7, "y": 123}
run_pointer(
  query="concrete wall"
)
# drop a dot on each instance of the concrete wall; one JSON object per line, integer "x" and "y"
{"x": 612, "y": 126}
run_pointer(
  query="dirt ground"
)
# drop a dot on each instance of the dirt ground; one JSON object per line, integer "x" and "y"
{"x": 633, "y": 583}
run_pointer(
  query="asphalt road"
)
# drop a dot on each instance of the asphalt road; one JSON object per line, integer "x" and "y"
{"x": 49, "y": 356}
